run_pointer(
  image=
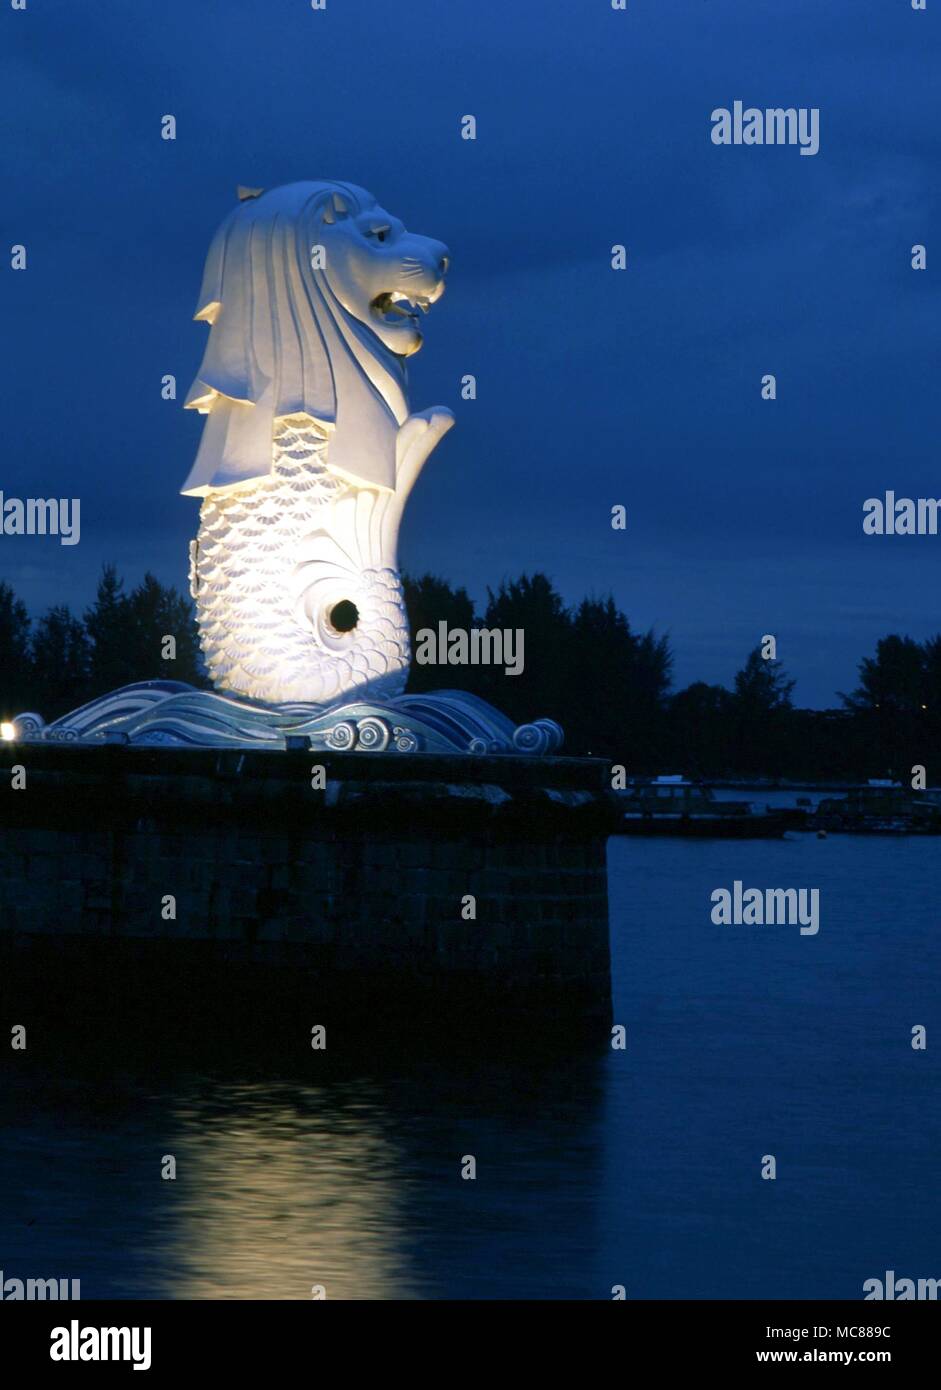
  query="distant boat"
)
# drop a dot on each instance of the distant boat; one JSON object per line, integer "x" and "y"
{"x": 881, "y": 807}
{"x": 676, "y": 806}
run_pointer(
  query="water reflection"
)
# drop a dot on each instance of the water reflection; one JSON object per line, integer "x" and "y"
{"x": 639, "y": 1168}
{"x": 278, "y": 1191}
{"x": 352, "y": 1181}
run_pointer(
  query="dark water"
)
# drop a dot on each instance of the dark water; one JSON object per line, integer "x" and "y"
{"x": 639, "y": 1168}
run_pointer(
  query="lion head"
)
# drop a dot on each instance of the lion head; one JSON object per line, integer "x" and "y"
{"x": 314, "y": 295}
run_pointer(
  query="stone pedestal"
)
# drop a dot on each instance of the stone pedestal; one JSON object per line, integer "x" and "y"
{"x": 225, "y": 886}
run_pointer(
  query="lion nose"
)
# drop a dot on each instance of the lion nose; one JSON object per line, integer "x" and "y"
{"x": 436, "y": 257}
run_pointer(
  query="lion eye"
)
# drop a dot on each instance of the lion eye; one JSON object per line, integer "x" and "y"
{"x": 380, "y": 233}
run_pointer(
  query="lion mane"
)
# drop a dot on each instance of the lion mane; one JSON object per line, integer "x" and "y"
{"x": 281, "y": 343}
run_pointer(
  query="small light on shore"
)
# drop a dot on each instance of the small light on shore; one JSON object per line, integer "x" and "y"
{"x": 7, "y": 732}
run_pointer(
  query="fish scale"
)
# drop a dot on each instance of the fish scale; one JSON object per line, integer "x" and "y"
{"x": 249, "y": 545}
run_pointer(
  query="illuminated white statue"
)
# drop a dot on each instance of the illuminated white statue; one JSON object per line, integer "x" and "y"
{"x": 313, "y": 293}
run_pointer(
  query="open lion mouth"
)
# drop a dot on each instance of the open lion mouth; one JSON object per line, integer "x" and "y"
{"x": 392, "y": 306}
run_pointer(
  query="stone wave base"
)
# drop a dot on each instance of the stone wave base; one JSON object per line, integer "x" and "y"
{"x": 174, "y": 714}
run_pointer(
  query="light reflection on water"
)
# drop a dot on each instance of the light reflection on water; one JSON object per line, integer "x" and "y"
{"x": 279, "y": 1191}
{"x": 593, "y": 1168}
{"x": 353, "y": 1183}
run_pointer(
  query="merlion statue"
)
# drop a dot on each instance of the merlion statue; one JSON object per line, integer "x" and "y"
{"x": 313, "y": 294}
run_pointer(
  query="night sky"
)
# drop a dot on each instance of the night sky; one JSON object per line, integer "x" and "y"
{"x": 595, "y": 387}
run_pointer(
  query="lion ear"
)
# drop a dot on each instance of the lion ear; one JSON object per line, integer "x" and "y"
{"x": 336, "y": 208}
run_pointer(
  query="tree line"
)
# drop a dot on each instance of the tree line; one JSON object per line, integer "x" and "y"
{"x": 59, "y": 662}
{"x": 609, "y": 686}
{"x": 611, "y": 689}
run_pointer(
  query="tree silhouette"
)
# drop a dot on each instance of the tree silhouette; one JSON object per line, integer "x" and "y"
{"x": 761, "y": 686}
{"x": 531, "y": 605}
{"x": 761, "y": 706}
{"x": 895, "y": 703}
{"x": 429, "y": 601}
{"x": 15, "y": 673}
{"x": 60, "y": 663}
{"x": 894, "y": 679}
{"x": 616, "y": 683}
{"x": 107, "y": 623}
{"x": 598, "y": 664}
{"x": 700, "y": 725}
{"x": 128, "y": 632}
{"x": 157, "y": 613}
